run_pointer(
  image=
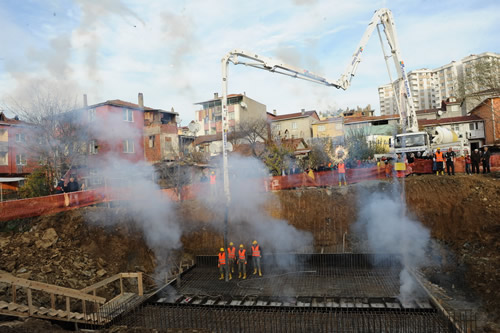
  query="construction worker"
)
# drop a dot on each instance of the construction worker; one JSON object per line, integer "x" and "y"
{"x": 242, "y": 262}
{"x": 256, "y": 257}
{"x": 341, "y": 169}
{"x": 231, "y": 253}
{"x": 450, "y": 161}
{"x": 213, "y": 188}
{"x": 222, "y": 264}
{"x": 438, "y": 157}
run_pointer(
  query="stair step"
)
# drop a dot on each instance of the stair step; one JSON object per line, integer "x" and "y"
{"x": 3, "y": 305}
{"x": 42, "y": 311}
{"x": 22, "y": 308}
{"x": 12, "y": 306}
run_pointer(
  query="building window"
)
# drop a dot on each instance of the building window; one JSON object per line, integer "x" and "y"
{"x": 151, "y": 141}
{"x": 128, "y": 115}
{"x": 4, "y": 158}
{"x": 277, "y": 127}
{"x": 20, "y": 137}
{"x": 321, "y": 128}
{"x": 4, "y": 135}
{"x": 294, "y": 125}
{"x": 128, "y": 146}
{"x": 91, "y": 114}
{"x": 93, "y": 147}
{"x": 94, "y": 178}
{"x": 231, "y": 115}
{"x": 20, "y": 159}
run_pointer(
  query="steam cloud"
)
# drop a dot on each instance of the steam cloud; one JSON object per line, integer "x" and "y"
{"x": 387, "y": 229}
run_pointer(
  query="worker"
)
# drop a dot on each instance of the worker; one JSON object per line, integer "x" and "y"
{"x": 450, "y": 162}
{"x": 485, "y": 157}
{"x": 475, "y": 158}
{"x": 213, "y": 189}
{"x": 222, "y": 264}
{"x": 341, "y": 169}
{"x": 438, "y": 157}
{"x": 256, "y": 258}
{"x": 242, "y": 262}
{"x": 231, "y": 254}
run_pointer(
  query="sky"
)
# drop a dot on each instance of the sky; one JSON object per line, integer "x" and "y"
{"x": 171, "y": 51}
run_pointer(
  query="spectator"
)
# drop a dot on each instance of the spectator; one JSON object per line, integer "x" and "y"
{"x": 73, "y": 187}
{"x": 388, "y": 169}
{"x": 60, "y": 186}
{"x": 204, "y": 178}
{"x": 450, "y": 161}
{"x": 411, "y": 159}
{"x": 468, "y": 163}
{"x": 475, "y": 158}
{"x": 485, "y": 158}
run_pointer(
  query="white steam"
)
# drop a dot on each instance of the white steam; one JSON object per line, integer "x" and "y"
{"x": 387, "y": 229}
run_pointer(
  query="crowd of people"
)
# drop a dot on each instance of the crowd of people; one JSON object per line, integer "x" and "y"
{"x": 472, "y": 161}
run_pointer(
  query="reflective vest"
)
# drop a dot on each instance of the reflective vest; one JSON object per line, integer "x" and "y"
{"x": 242, "y": 254}
{"x": 341, "y": 168}
{"x": 231, "y": 252}
{"x": 439, "y": 156}
{"x": 222, "y": 258}
{"x": 212, "y": 179}
{"x": 256, "y": 251}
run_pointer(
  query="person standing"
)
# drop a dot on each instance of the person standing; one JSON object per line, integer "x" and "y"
{"x": 213, "y": 183}
{"x": 222, "y": 264}
{"x": 242, "y": 262}
{"x": 341, "y": 170}
{"x": 450, "y": 161}
{"x": 256, "y": 255}
{"x": 60, "y": 186}
{"x": 73, "y": 187}
{"x": 438, "y": 157}
{"x": 467, "y": 163}
{"x": 486, "y": 160}
{"x": 475, "y": 158}
{"x": 231, "y": 253}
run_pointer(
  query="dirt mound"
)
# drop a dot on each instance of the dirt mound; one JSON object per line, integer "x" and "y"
{"x": 66, "y": 250}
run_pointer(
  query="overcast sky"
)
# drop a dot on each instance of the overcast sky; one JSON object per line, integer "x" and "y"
{"x": 171, "y": 50}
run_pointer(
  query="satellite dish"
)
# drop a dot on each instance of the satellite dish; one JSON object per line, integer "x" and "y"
{"x": 194, "y": 127}
{"x": 243, "y": 105}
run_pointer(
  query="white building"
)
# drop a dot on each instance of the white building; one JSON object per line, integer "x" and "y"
{"x": 430, "y": 87}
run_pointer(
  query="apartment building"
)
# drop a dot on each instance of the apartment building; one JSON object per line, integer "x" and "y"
{"x": 294, "y": 125}
{"x": 430, "y": 86}
{"x": 240, "y": 108}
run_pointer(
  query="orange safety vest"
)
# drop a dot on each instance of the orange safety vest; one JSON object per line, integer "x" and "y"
{"x": 231, "y": 251}
{"x": 222, "y": 258}
{"x": 341, "y": 168}
{"x": 439, "y": 156}
{"x": 212, "y": 179}
{"x": 256, "y": 251}
{"x": 242, "y": 254}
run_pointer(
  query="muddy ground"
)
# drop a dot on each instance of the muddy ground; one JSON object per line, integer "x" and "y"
{"x": 462, "y": 213}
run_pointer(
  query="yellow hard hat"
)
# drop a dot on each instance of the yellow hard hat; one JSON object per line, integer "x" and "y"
{"x": 213, "y": 172}
{"x": 221, "y": 249}
{"x": 254, "y": 242}
{"x": 439, "y": 148}
{"x": 241, "y": 246}
{"x": 231, "y": 244}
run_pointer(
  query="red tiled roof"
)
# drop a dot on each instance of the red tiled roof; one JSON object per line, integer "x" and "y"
{"x": 213, "y": 137}
{"x": 7, "y": 120}
{"x": 451, "y": 120}
{"x": 349, "y": 120}
{"x": 293, "y": 143}
{"x": 296, "y": 115}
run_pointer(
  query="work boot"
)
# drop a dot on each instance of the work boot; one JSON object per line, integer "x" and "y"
{"x": 244, "y": 276}
{"x": 221, "y": 277}
{"x": 260, "y": 273}
{"x": 239, "y": 275}
{"x": 442, "y": 173}
{"x": 340, "y": 184}
{"x": 345, "y": 183}
{"x": 230, "y": 276}
{"x": 232, "y": 269}
{"x": 437, "y": 173}
{"x": 255, "y": 271}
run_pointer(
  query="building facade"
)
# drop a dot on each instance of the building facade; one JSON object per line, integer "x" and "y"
{"x": 430, "y": 86}
{"x": 489, "y": 111}
{"x": 15, "y": 157}
{"x": 240, "y": 108}
{"x": 328, "y": 128}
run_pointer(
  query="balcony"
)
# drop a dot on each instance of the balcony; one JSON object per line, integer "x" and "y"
{"x": 475, "y": 134}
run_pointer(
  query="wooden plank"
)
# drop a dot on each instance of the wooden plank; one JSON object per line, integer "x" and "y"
{"x": 52, "y": 301}
{"x": 12, "y": 306}
{"x": 30, "y": 301}
{"x": 140, "y": 291}
{"x": 41, "y": 311}
{"x": 7, "y": 278}
{"x": 23, "y": 308}
{"x": 52, "y": 312}
{"x": 79, "y": 315}
{"x": 121, "y": 285}
{"x": 129, "y": 275}
{"x": 14, "y": 293}
{"x": 101, "y": 283}
{"x": 61, "y": 313}
{"x": 68, "y": 311}
{"x": 3, "y": 305}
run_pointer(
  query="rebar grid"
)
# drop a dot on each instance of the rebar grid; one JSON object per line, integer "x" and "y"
{"x": 230, "y": 319}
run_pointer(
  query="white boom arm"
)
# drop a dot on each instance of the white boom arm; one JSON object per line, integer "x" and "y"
{"x": 406, "y": 109}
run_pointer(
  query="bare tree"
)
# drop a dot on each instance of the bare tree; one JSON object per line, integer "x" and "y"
{"x": 256, "y": 132}
{"x": 56, "y": 137}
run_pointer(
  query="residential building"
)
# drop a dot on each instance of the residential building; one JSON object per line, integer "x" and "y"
{"x": 294, "y": 125}
{"x": 328, "y": 128}
{"x": 489, "y": 112}
{"x": 161, "y": 141}
{"x": 240, "y": 108}
{"x": 386, "y": 124}
{"x": 430, "y": 86}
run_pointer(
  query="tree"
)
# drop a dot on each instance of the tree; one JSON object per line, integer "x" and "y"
{"x": 277, "y": 158}
{"x": 35, "y": 185}
{"x": 358, "y": 146}
{"x": 255, "y": 132}
{"x": 479, "y": 79}
{"x": 57, "y": 139}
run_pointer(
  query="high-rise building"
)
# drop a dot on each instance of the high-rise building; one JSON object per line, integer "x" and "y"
{"x": 430, "y": 87}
